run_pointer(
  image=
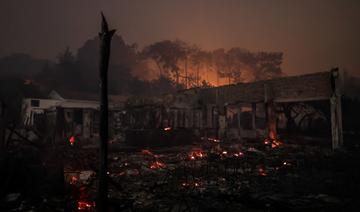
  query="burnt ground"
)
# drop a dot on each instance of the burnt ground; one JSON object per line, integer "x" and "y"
{"x": 206, "y": 176}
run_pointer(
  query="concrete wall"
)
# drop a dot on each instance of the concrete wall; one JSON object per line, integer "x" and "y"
{"x": 306, "y": 87}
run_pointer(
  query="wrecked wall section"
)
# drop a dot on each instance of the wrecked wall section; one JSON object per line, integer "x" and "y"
{"x": 296, "y": 88}
{"x": 244, "y": 109}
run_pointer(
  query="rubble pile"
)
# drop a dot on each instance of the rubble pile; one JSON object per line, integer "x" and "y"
{"x": 205, "y": 176}
{"x": 227, "y": 177}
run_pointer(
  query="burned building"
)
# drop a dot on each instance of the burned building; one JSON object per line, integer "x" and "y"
{"x": 243, "y": 110}
{"x": 68, "y": 116}
{"x": 231, "y": 112}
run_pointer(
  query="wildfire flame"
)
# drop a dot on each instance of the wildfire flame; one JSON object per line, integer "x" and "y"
{"x": 167, "y": 128}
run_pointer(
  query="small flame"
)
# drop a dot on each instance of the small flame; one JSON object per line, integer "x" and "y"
{"x": 84, "y": 205}
{"x": 197, "y": 154}
{"x": 73, "y": 180}
{"x": 274, "y": 143}
{"x": 167, "y": 128}
{"x": 72, "y": 140}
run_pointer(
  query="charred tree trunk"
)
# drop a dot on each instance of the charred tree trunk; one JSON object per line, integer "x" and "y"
{"x": 105, "y": 41}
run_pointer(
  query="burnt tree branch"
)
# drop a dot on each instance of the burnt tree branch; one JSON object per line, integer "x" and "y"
{"x": 105, "y": 42}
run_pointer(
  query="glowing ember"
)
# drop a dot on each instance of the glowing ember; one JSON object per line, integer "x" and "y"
{"x": 72, "y": 140}
{"x": 85, "y": 206}
{"x": 240, "y": 154}
{"x": 214, "y": 140}
{"x": 224, "y": 152}
{"x": 73, "y": 180}
{"x": 274, "y": 143}
{"x": 157, "y": 165}
{"x": 167, "y": 128}
{"x": 262, "y": 172}
{"x": 190, "y": 184}
{"x": 198, "y": 154}
{"x": 184, "y": 184}
{"x": 286, "y": 164}
{"x": 146, "y": 152}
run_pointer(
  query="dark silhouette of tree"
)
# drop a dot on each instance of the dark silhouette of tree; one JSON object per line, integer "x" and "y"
{"x": 268, "y": 65}
{"x": 199, "y": 60}
{"x": 180, "y": 65}
{"x": 227, "y": 64}
{"x": 123, "y": 58}
{"x": 67, "y": 71}
{"x": 167, "y": 55}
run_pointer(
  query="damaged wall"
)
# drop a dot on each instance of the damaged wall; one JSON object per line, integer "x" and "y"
{"x": 245, "y": 109}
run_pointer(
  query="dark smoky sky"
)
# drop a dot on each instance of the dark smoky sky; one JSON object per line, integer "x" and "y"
{"x": 314, "y": 35}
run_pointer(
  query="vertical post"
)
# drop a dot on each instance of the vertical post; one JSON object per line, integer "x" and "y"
{"x": 271, "y": 120}
{"x": 270, "y": 114}
{"x": 253, "y": 117}
{"x": 335, "y": 109}
{"x": 105, "y": 41}
{"x": 239, "y": 120}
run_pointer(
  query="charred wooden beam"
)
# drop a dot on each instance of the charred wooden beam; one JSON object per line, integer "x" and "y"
{"x": 105, "y": 41}
{"x": 335, "y": 109}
